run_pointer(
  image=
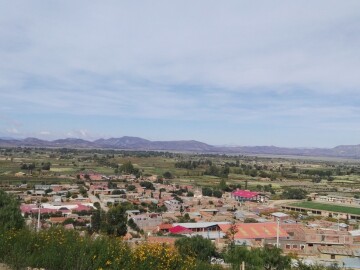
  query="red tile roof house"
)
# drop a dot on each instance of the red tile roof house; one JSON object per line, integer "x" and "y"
{"x": 246, "y": 195}
{"x": 258, "y": 232}
{"x": 295, "y": 243}
{"x": 164, "y": 227}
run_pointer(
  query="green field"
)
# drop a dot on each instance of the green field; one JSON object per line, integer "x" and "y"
{"x": 329, "y": 207}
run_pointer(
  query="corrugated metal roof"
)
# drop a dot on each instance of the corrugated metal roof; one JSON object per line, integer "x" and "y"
{"x": 355, "y": 232}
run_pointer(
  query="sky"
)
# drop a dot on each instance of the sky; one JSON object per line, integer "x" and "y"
{"x": 284, "y": 73}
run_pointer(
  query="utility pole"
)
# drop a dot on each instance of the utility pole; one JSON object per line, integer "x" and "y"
{"x": 277, "y": 232}
{"x": 38, "y": 221}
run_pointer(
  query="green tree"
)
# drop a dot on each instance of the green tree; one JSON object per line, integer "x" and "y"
{"x": 274, "y": 260}
{"x": 128, "y": 168}
{"x": 10, "y": 215}
{"x": 294, "y": 193}
{"x": 217, "y": 193}
{"x": 116, "y": 221}
{"x": 268, "y": 258}
{"x": 197, "y": 246}
{"x": 222, "y": 185}
{"x": 250, "y": 220}
{"x": 207, "y": 191}
{"x": 168, "y": 175}
{"x": 46, "y": 166}
{"x": 130, "y": 188}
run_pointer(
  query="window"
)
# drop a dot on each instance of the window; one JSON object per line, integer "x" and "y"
{"x": 287, "y": 246}
{"x": 295, "y": 246}
{"x": 332, "y": 256}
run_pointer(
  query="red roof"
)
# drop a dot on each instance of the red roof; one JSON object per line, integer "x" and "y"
{"x": 245, "y": 193}
{"x": 165, "y": 226}
{"x": 255, "y": 230}
{"x": 179, "y": 229}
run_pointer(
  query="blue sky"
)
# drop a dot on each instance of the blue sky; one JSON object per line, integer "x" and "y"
{"x": 282, "y": 73}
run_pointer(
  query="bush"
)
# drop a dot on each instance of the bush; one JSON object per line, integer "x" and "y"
{"x": 59, "y": 249}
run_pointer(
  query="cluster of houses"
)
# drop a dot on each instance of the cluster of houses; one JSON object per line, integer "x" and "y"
{"x": 242, "y": 216}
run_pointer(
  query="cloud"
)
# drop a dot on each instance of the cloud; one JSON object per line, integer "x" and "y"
{"x": 284, "y": 63}
{"x": 12, "y": 131}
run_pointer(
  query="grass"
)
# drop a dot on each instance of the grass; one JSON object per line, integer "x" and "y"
{"x": 329, "y": 207}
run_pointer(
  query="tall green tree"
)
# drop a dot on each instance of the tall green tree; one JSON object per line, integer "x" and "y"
{"x": 197, "y": 246}
{"x": 10, "y": 215}
{"x": 116, "y": 221}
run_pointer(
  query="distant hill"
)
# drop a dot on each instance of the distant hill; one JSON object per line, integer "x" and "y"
{"x": 136, "y": 143}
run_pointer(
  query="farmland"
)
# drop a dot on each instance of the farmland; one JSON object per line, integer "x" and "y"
{"x": 250, "y": 172}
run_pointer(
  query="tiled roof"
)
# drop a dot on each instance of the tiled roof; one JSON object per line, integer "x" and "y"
{"x": 165, "y": 226}
{"x": 255, "y": 230}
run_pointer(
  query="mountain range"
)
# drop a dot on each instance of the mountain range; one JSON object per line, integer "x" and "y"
{"x": 135, "y": 143}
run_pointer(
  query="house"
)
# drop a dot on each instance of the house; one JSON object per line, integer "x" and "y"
{"x": 280, "y": 216}
{"x": 202, "y": 226}
{"x": 147, "y": 221}
{"x": 295, "y": 242}
{"x": 164, "y": 227}
{"x": 246, "y": 195}
{"x": 172, "y": 205}
{"x": 257, "y": 232}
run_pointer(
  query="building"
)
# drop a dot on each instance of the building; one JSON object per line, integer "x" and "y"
{"x": 172, "y": 205}
{"x": 246, "y": 195}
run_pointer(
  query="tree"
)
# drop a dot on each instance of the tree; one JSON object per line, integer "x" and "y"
{"x": 147, "y": 185}
{"x": 294, "y": 193}
{"x": 127, "y": 167}
{"x": 130, "y": 188}
{"x": 274, "y": 260}
{"x": 31, "y": 167}
{"x": 10, "y": 215}
{"x": 207, "y": 191}
{"x": 97, "y": 205}
{"x": 197, "y": 246}
{"x": 46, "y": 166}
{"x": 222, "y": 185}
{"x": 217, "y": 193}
{"x": 168, "y": 175}
{"x": 117, "y": 192}
{"x": 268, "y": 258}
{"x": 96, "y": 220}
{"x": 250, "y": 220}
{"x": 116, "y": 221}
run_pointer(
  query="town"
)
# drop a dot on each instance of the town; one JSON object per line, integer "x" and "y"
{"x": 81, "y": 190}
